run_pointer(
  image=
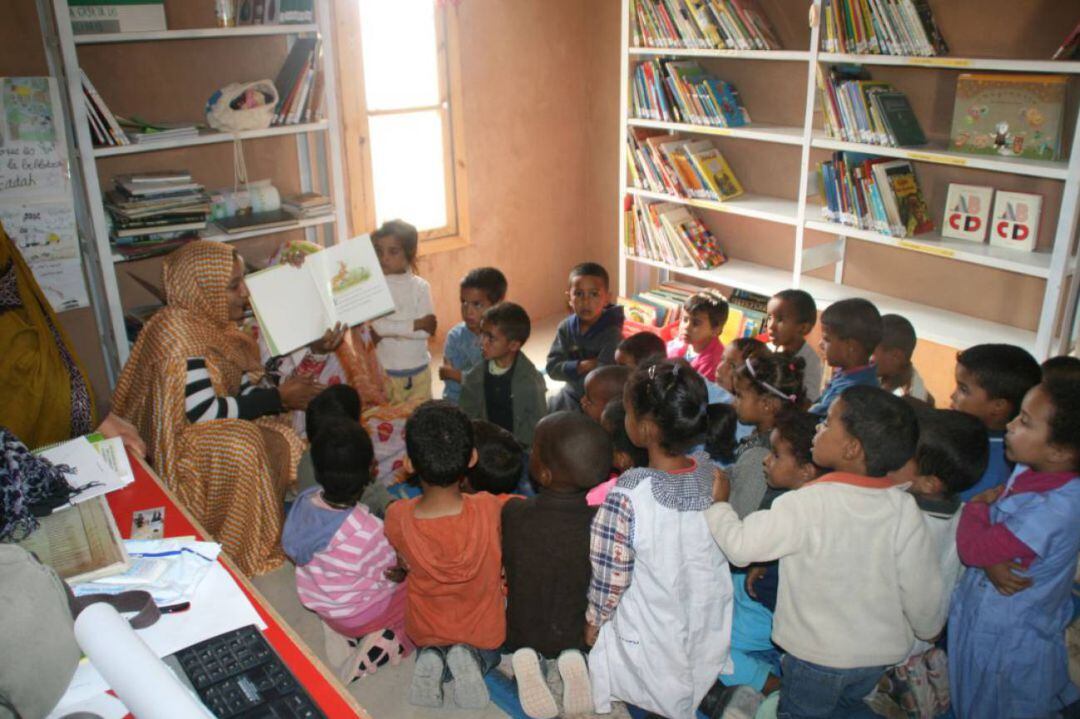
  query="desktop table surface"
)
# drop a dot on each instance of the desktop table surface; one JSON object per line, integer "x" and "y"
{"x": 148, "y": 492}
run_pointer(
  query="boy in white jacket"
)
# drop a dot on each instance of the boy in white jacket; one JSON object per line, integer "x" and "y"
{"x": 859, "y": 575}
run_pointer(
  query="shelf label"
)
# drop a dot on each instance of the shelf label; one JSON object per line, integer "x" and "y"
{"x": 939, "y": 251}
{"x": 940, "y": 61}
{"x": 941, "y": 159}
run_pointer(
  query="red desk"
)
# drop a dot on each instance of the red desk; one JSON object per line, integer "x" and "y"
{"x": 147, "y": 492}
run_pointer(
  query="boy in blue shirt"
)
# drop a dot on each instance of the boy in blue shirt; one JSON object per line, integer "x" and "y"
{"x": 586, "y": 339}
{"x": 850, "y": 332}
{"x": 991, "y": 381}
{"x": 481, "y": 288}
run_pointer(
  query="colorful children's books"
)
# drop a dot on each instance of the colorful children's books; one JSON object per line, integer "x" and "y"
{"x": 967, "y": 212}
{"x": 1015, "y": 222}
{"x": 914, "y": 214}
{"x": 1009, "y": 115}
{"x": 714, "y": 169}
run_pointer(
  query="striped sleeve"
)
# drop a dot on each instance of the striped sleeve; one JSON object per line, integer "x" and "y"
{"x": 202, "y": 404}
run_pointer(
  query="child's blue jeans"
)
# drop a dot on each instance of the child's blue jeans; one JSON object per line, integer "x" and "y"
{"x": 809, "y": 690}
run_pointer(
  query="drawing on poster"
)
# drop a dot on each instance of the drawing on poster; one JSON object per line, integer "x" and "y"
{"x": 28, "y": 109}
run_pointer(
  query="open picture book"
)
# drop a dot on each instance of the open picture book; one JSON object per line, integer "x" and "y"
{"x": 296, "y": 305}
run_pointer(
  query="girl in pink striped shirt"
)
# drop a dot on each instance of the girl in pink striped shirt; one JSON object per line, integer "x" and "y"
{"x": 341, "y": 554}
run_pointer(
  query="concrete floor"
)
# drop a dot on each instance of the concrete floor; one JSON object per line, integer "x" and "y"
{"x": 384, "y": 693}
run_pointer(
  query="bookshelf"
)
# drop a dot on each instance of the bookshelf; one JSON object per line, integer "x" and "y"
{"x": 318, "y": 145}
{"x": 956, "y": 293}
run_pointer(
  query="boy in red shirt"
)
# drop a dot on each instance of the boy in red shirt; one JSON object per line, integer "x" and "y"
{"x": 450, "y": 544}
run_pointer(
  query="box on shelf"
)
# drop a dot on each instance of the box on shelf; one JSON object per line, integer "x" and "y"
{"x": 967, "y": 212}
{"x": 1009, "y": 115}
{"x": 105, "y": 16}
{"x": 1016, "y": 220}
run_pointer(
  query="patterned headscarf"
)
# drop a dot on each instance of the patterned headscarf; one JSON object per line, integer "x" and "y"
{"x": 26, "y": 481}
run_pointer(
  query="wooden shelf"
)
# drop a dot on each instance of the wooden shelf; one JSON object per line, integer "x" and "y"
{"x": 207, "y": 33}
{"x": 215, "y": 235}
{"x": 936, "y": 153}
{"x": 1035, "y": 264}
{"x": 956, "y": 63}
{"x": 761, "y": 207}
{"x": 781, "y": 134}
{"x": 779, "y": 55}
{"x": 750, "y": 276}
{"x": 210, "y": 137}
{"x": 951, "y": 329}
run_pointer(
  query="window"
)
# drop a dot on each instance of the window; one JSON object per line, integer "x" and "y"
{"x": 403, "y": 150}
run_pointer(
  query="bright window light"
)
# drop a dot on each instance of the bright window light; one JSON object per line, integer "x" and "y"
{"x": 407, "y": 170}
{"x": 401, "y": 67}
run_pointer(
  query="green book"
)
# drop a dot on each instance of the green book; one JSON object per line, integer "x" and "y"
{"x": 900, "y": 119}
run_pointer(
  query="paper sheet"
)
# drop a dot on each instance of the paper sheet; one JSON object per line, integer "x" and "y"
{"x": 90, "y": 466}
{"x": 141, "y": 680}
{"x": 113, "y": 452}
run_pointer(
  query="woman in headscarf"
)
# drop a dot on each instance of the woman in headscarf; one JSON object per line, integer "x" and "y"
{"x": 194, "y": 387}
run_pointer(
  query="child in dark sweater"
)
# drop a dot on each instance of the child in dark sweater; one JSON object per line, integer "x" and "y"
{"x": 545, "y": 542}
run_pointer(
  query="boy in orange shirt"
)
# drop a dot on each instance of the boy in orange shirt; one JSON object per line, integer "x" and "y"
{"x": 450, "y": 544}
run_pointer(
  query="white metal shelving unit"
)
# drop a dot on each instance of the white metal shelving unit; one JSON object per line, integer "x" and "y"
{"x": 320, "y": 170}
{"x": 1055, "y": 267}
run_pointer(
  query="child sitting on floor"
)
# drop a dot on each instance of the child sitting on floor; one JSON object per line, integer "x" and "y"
{"x": 343, "y": 402}
{"x": 546, "y": 556}
{"x": 1007, "y": 654}
{"x": 788, "y": 466}
{"x": 859, "y": 575}
{"x": 639, "y": 347}
{"x": 326, "y": 532}
{"x": 587, "y": 338}
{"x": 698, "y": 342}
{"x": 401, "y": 338}
{"x": 850, "y": 332}
{"x": 450, "y": 544}
{"x": 766, "y": 387}
{"x": 660, "y": 595}
{"x": 481, "y": 288}
{"x": 792, "y": 315}
{"x": 991, "y": 381}
{"x": 892, "y": 358}
{"x": 601, "y": 386}
{"x": 950, "y": 457}
{"x": 506, "y": 388}
{"x": 624, "y": 453}
{"x": 500, "y": 461}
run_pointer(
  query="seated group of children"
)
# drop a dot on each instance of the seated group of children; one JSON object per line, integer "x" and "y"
{"x": 715, "y": 533}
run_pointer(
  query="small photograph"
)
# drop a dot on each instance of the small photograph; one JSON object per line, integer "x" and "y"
{"x": 148, "y": 524}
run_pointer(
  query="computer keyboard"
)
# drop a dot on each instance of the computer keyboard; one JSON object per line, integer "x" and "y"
{"x": 238, "y": 675}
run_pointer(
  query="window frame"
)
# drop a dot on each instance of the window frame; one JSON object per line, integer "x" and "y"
{"x": 356, "y": 134}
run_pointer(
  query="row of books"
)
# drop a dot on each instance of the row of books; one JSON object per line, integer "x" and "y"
{"x": 272, "y": 12}
{"x": 670, "y": 233}
{"x": 300, "y": 84}
{"x": 681, "y": 91}
{"x": 881, "y": 27}
{"x": 661, "y": 307}
{"x": 874, "y": 193}
{"x": 104, "y": 127}
{"x": 858, "y": 109}
{"x": 679, "y": 166}
{"x": 151, "y": 213}
{"x": 703, "y": 24}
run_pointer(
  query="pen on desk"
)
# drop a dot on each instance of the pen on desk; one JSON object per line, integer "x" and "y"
{"x": 174, "y": 608}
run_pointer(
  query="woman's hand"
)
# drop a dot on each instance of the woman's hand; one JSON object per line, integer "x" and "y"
{"x": 294, "y": 256}
{"x": 331, "y": 340}
{"x": 297, "y": 391}
{"x": 427, "y": 323}
{"x": 721, "y": 486}
{"x": 116, "y": 426}
{"x": 1005, "y": 579}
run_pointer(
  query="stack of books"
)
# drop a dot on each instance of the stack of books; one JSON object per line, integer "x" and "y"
{"x": 704, "y": 24}
{"x": 142, "y": 132}
{"x": 881, "y": 27}
{"x": 683, "y": 167}
{"x": 307, "y": 204}
{"x": 154, "y": 212}
{"x": 674, "y": 91}
{"x": 857, "y": 109}
{"x": 300, "y": 84}
{"x": 662, "y": 306}
{"x": 670, "y": 233}
{"x": 874, "y": 193}
{"x": 104, "y": 128}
